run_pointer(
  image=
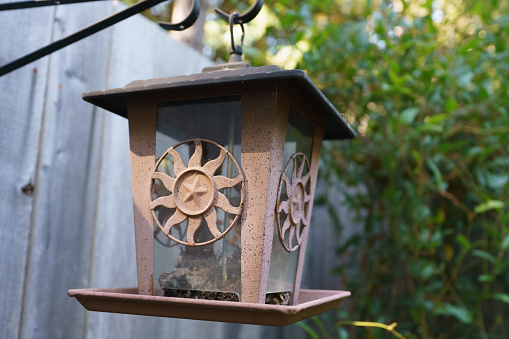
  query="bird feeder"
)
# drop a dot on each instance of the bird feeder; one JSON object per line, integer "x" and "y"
{"x": 224, "y": 168}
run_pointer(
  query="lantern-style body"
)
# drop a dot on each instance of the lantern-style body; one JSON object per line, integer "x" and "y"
{"x": 224, "y": 167}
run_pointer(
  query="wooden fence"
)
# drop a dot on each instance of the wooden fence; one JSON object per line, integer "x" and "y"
{"x": 65, "y": 196}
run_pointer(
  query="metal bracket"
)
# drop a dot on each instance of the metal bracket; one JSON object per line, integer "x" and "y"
{"x": 89, "y": 30}
{"x": 187, "y": 22}
{"x": 249, "y": 15}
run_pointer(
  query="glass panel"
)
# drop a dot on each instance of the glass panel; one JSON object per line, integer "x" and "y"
{"x": 187, "y": 209}
{"x": 283, "y": 264}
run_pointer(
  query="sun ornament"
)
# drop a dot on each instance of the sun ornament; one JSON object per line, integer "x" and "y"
{"x": 195, "y": 192}
{"x": 293, "y": 202}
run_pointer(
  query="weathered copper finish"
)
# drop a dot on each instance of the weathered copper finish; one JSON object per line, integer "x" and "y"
{"x": 195, "y": 192}
{"x": 142, "y": 134}
{"x": 296, "y": 207}
{"x": 263, "y": 138}
{"x": 315, "y": 159}
{"x": 126, "y": 300}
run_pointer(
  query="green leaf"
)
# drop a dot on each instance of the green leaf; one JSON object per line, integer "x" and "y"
{"x": 484, "y": 255}
{"x": 489, "y": 205}
{"x": 309, "y": 330}
{"x": 486, "y": 278}
{"x": 408, "y": 115}
{"x": 318, "y": 322}
{"x": 396, "y": 80}
{"x": 450, "y": 105}
{"x": 459, "y": 312}
{"x": 505, "y": 219}
{"x": 417, "y": 157}
{"x": 501, "y": 297}
{"x": 437, "y": 118}
{"x": 463, "y": 240}
{"x": 430, "y": 128}
{"x": 436, "y": 173}
{"x": 497, "y": 180}
{"x": 505, "y": 243}
{"x": 465, "y": 78}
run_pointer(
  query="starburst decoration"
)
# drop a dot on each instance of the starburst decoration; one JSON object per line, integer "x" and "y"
{"x": 195, "y": 192}
{"x": 295, "y": 209}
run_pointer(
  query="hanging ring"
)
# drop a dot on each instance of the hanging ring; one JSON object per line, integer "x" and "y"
{"x": 244, "y": 18}
{"x": 187, "y": 22}
{"x": 235, "y": 49}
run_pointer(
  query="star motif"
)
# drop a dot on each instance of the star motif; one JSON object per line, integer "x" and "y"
{"x": 296, "y": 206}
{"x": 194, "y": 191}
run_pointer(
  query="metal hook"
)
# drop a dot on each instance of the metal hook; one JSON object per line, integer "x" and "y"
{"x": 249, "y": 15}
{"x": 187, "y": 22}
{"x": 235, "y": 49}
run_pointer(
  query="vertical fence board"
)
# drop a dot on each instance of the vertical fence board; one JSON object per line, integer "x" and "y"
{"x": 21, "y": 105}
{"x": 66, "y": 179}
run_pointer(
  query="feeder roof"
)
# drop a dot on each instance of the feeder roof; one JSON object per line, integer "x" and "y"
{"x": 115, "y": 100}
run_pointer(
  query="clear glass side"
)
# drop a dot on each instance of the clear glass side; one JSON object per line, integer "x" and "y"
{"x": 209, "y": 271}
{"x": 283, "y": 264}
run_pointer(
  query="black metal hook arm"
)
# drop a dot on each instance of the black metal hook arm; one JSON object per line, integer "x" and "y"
{"x": 249, "y": 15}
{"x": 94, "y": 28}
{"x": 187, "y": 22}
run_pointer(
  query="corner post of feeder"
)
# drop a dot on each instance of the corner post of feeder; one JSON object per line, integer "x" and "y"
{"x": 264, "y": 118}
{"x": 142, "y": 134}
{"x": 315, "y": 162}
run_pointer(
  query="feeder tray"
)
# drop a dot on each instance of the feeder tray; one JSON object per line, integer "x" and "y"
{"x": 127, "y": 300}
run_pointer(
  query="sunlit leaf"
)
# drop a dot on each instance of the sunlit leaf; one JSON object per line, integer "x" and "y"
{"x": 502, "y": 297}
{"x": 408, "y": 115}
{"x": 489, "y": 205}
{"x": 437, "y": 118}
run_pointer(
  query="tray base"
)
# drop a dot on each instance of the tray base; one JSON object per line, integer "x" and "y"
{"x": 128, "y": 301}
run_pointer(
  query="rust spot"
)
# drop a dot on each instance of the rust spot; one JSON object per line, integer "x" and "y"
{"x": 28, "y": 189}
{"x": 59, "y": 87}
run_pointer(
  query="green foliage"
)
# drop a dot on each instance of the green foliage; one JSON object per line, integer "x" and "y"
{"x": 426, "y": 85}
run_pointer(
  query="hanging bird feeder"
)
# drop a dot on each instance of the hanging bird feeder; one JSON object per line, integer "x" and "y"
{"x": 224, "y": 167}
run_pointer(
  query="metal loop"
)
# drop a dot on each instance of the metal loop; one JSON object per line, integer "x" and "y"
{"x": 235, "y": 49}
{"x": 187, "y": 22}
{"x": 244, "y": 18}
